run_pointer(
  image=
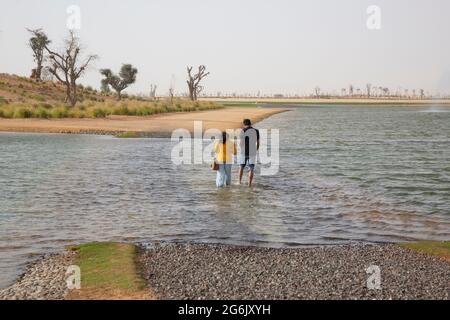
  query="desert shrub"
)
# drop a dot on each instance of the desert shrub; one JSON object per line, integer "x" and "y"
{"x": 3, "y": 100}
{"x": 46, "y": 105}
{"x": 6, "y": 113}
{"x": 23, "y": 113}
{"x": 99, "y": 113}
{"x": 42, "y": 113}
{"x": 122, "y": 110}
{"x": 60, "y": 112}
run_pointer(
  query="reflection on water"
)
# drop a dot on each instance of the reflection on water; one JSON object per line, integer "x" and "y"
{"x": 347, "y": 174}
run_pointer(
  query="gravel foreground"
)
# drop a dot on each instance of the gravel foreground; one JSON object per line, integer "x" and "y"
{"x": 44, "y": 279}
{"x": 197, "y": 271}
{"x": 330, "y": 272}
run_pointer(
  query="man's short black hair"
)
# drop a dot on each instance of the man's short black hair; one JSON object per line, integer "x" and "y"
{"x": 247, "y": 122}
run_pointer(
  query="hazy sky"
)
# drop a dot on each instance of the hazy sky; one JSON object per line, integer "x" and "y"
{"x": 285, "y": 46}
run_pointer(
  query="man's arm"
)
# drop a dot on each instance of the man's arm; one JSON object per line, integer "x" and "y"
{"x": 257, "y": 139}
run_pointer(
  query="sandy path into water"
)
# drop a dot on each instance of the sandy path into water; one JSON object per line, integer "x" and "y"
{"x": 156, "y": 126}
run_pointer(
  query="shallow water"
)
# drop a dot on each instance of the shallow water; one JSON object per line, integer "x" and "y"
{"x": 348, "y": 173}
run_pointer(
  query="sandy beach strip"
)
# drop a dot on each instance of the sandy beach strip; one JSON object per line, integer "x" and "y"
{"x": 205, "y": 271}
{"x": 161, "y": 125}
{"x": 336, "y": 101}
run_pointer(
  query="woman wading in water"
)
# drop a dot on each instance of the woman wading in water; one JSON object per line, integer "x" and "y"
{"x": 224, "y": 150}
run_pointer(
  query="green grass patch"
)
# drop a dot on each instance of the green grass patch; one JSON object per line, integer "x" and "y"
{"x": 129, "y": 135}
{"x": 435, "y": 248}
{"x": 108, "y": 265}
{"x": 232, "y": 104}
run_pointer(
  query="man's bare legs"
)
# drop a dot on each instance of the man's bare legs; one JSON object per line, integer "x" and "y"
{"x": 250, "y": 178}
{"x": 241, "y": 173}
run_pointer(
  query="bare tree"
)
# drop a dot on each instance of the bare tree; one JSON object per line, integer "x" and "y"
{"x": 422, "y": 93}
{"x": 66, "y": 66}
{"x": 193, "y": 81}
{"x": 153, "y": 91}
{"x": 37, "y": 43}
{"x": 343, "y": 92}
{"x": 172, "y": 89}
{"x": 350, "y": 90}
{"x": 317, "y": 92}
{"x": 368, "y": 87}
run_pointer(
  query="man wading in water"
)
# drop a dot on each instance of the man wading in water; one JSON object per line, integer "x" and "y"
{"x": 249, "y": 145}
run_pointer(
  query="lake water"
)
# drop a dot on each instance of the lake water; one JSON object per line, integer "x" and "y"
{"x": 348, "y": 173}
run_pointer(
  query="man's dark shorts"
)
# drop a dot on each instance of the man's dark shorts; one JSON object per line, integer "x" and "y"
{"x": 251, "y": 166}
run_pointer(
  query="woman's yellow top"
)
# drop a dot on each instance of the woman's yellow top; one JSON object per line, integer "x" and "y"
{"x": 225, "y": 152}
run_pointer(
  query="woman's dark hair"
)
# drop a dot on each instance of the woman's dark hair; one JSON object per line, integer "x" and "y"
{"x": 224, "y": 137}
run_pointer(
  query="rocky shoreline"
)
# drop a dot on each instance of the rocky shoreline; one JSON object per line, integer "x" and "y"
{"x": 201, "y": 271}
{"x": 44, "y": 279}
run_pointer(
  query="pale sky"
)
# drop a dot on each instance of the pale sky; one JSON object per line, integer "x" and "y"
{"x": 276, "y": 46}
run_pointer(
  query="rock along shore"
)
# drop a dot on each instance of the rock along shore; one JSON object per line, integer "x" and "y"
{"x": 201, "y": 271}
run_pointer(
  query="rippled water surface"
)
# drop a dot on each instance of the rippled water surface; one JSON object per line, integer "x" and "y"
{"x": 347, "y": 174}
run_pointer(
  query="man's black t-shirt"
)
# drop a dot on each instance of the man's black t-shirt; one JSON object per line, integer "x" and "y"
{"x": 247, "y": 140}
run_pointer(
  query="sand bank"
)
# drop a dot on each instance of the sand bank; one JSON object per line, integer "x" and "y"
{"x": 337, "y": 101}
{"x": 155, "y": 126}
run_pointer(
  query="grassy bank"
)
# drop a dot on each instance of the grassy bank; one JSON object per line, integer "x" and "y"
{"x": 434, "y": 248}
{"x": 101, "y": 109}
{"x": 108, "y": 271}
{"x": 22, "y": 97}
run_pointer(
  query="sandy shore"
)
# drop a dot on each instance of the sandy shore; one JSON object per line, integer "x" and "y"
{"x": 365, "y": 101}
{"x": 197, "y": 271}
{"x": 155, "y": 126}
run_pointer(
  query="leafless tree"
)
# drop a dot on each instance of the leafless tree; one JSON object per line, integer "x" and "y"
{"x": 368, "y": 88}
{"x": 172, "y": 89}
{"x": 193, "y": 81}
{"x": 350, "y": 90}
{"x": 68, "y": 67}
{"x": 153, "y": 91}
{"x": 343, "y": 92}
{"x": 422, "y": 93}
{"x": 171, "y": 94}
{"x": 317, "y": 91}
